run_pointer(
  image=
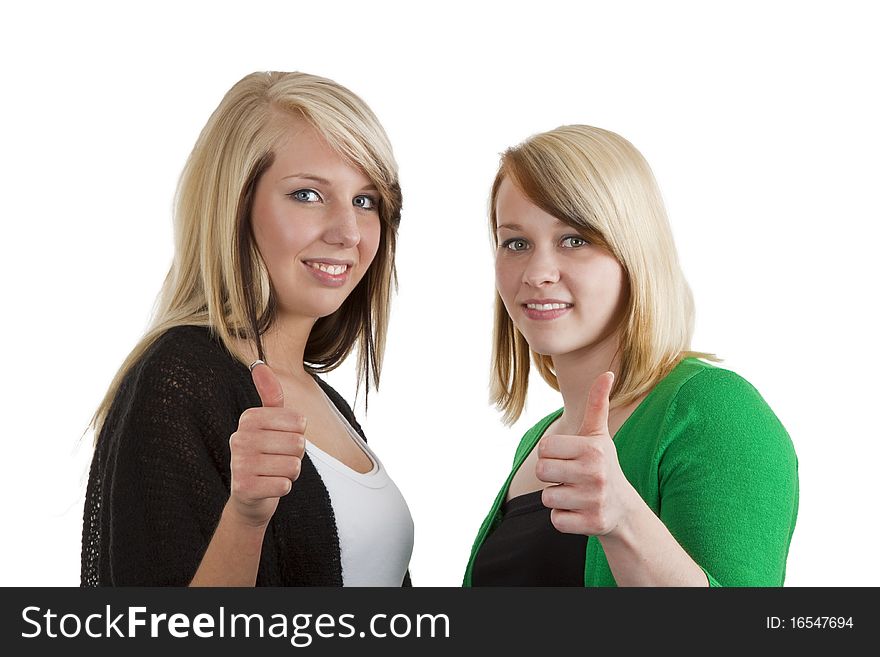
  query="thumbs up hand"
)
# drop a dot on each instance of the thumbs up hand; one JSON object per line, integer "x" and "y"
{"x": 591, "y": 495}
{"x": 266, "y": 451}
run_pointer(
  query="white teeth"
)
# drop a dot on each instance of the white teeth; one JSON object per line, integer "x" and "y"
{"x": 547, "y": 306}
{"x": 334, "y": 270}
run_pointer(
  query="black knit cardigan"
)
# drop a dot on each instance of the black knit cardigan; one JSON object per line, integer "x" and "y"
{"x": 160, "y": 476}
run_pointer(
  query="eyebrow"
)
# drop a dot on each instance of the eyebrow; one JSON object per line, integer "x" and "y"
{"x": 518, "y": 227}
{"x": 307, "y": 176}
{"x": 324, "y": 181}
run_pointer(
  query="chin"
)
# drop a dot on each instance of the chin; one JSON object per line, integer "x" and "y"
{"x": 547, "y": 345}
{"x": 316, "y": 308}
{"x": 549, "y": 351}
{"x": 544, "y": 347}
{"x": 327, "y": 310}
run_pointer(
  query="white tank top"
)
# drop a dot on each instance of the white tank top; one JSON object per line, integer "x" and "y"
{"x": 373, "y": 522}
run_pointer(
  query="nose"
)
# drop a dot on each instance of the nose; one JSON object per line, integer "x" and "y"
{"x": 541, "y": 269}
{"x": 343, "y": 229}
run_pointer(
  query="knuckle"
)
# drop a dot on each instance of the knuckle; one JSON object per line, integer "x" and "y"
{"x": 239, "y": 462}
{"x": 238, "y": 489}
{"x": 559, "y": 521}
{"x": 240, "y": 441}
{"x": 590, "y": 519}
{"x": 541, "y": 468}
{"x": 284, "y": 487}
{"x": 582, "y": 470}
{"x": 248, "y": 417}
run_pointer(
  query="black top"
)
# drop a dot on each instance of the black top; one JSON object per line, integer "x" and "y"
{"x": 525, "y": 549}
{"x": 160, "y": 475}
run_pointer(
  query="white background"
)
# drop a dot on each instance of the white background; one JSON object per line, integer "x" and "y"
{"x": 759, "y": 120}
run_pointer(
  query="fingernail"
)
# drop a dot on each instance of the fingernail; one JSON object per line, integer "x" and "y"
{"x": 255, "y": 363}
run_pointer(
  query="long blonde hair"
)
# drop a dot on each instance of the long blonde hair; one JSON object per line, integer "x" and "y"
{"x": 598, "y": 183}
{"x": 217, "y": 278}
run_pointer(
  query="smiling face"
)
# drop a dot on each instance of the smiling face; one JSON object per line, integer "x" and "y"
{"x": 316, "y": 223}
{"x": 563, "y": 294}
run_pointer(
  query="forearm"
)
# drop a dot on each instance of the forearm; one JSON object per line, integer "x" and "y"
{"x": 641, "y": 552}
{"x": 233, "y": 555}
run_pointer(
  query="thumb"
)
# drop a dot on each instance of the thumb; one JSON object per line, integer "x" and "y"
{"x": 267, "y": 384}
{"x": 595, "y": 420}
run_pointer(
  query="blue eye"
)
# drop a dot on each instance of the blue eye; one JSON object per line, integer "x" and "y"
{"x": 305, "y": 196}
{"x": 573, "y": 241}
{"x": 515, "y": 244}
{"x": 365, "y": 202}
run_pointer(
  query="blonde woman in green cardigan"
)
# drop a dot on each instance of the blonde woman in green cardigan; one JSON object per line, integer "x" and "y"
{"x": 660, "y": 469}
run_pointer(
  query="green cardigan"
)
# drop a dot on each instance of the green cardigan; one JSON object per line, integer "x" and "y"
{"x": 710, "y": 458}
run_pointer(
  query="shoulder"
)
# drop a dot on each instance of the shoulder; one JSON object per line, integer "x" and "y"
{"x": 720, "y": 408}
{"x": 184, "y": 371}
{"x": 184, "y": 344}
{"x": 708, "y": 391}
{"x": 184, "y": 356}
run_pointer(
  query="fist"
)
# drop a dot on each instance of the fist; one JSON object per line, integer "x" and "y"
{"x": 266, "y": 451}
{"x": 591, "y": 495}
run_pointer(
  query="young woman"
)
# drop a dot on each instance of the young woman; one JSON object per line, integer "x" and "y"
{"x": 660, "y": 469}
{"x": 207, "y": 472}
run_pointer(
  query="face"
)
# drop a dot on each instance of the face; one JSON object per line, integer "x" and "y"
{"x": 316, "y": 223}
{"x": 564, "y": 294}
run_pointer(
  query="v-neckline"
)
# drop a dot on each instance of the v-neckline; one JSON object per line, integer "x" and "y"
{"x": 550, "y": 419}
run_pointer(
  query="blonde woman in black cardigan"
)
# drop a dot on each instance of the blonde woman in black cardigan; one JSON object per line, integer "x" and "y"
{"x": 208, "y": 471}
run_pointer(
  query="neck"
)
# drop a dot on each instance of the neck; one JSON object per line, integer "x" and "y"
{"x": 576, "y": 372}
{"x": 284, "y": 345}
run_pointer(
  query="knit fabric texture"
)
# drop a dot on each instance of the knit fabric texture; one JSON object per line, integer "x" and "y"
{"x": 713, "y": 462}
{"x": 160, "y": 475}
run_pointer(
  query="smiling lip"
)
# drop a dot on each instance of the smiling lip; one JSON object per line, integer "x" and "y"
{"x": 545, "y": 309}
{"x": 329, "y": 271}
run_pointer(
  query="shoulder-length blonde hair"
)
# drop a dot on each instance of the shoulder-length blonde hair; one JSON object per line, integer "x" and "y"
{"x": 218, "y": 278}
{"x": 599, "y": 184}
